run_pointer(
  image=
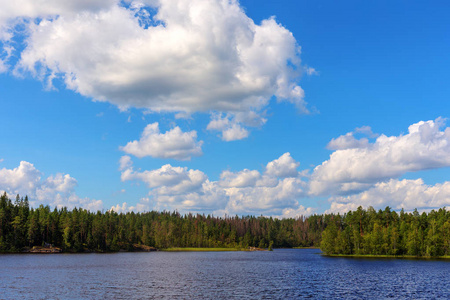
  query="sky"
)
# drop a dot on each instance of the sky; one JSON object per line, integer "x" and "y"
{"x": 276, "y": 108}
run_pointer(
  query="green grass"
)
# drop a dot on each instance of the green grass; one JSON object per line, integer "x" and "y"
{"x": 201, "y": 249}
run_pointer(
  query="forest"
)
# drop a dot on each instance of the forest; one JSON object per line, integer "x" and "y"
{"x": 79, "y": 230}
{"x": 386, "y": 232}
{"x": 359, "y": 232}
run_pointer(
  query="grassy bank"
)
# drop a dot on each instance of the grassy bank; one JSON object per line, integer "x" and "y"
{"x": 201, "y": 249}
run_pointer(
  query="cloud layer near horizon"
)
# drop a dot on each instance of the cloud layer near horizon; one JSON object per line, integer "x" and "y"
{"x": 273, "y": 192}
{"x": 357, "y": 173}
{"x": 56, "y": 190}
{"x": 397, "y": 194}
{"x": 357, "y": 164}
{"x": 366, "y": 176}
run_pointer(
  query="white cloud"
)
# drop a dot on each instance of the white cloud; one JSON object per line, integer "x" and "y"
{"x": 398, "y": 194}
{"x": 142, "y": 206}
{"x": 285, "y": 166}
{"x": 269, "y": 200}
{"x": 125, "y": 163}
{"x": 23, "y": 11}
{"x": 73, "y": 200}
{"x": 364, "y": 174}
{"x": 235, "y": 132}
{"x": 6, "y": 51}
{"x": 243, "y": 192}
{"x": 347, "y": 141}
{"x": 24, "y": 179}
{"x": 424, "y": 147}
{"x": 231, "y": 124}
{"x": 56, "y": 190}
{"x": 3, "y": 66}
{"x": 367, "y": 130}
{"x": 168, "y": 179}
{"x": 172, "y": 144}
{"x": 53, "y": 185}
{"x": 295, "y": 213}
{"x": 191, "y": 56}
{"x": 240, "y": 179}
{"x": 311, "y": 71}
{"x": 206, "y": 199}
{"x": 218, "y": 122}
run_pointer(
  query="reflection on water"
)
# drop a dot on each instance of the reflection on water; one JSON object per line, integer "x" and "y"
{"x": 284, "y": 273}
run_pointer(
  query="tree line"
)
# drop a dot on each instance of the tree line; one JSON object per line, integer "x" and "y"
{"x": 78, "y": 230}
{"x": 356, "y": 232}
{"x": 386, "y": 232}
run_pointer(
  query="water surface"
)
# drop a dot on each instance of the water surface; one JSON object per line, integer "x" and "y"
{"x": 281, "y": 274}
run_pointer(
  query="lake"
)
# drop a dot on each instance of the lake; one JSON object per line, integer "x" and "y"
{"x": 281, "y": 274}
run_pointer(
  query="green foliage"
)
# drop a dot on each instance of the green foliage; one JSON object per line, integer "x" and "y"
{"x": 367, "y": 232}
{"x": 360, "y": 232}
{"x": 80, "y": 230}
{"x": 270, "y": 246}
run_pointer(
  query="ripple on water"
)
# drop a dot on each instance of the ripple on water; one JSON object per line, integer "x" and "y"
{"x": 282, "y": 274}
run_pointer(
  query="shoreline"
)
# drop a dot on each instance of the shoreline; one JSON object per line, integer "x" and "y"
{"x": 373, "y": 256}
{"x": 137, "y": 249}
{"x": 305, "y": 248}
{"x": 193, "y": 249}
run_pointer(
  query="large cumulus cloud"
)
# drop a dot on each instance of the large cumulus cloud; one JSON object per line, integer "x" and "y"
{"x": 361, "y": 164}
{"x": 274, "y": 192}
{"x": 398, "y": 194}
{"x": 162, "y": 55}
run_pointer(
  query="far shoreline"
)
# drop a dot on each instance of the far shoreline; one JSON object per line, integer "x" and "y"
{"x": 137, "y": 249}
{"x": 374, "y": 256}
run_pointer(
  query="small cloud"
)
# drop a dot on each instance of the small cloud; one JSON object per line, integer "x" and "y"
{"x": 142, "y": 206}
{"x": 100, "y": 114}
{"x": 231, "y": 125}
{"x": 284, "y": 166}
{"x": 236, "y": 132}
{"x": 183, "y": 115}
{"x": 125, "y": 163}
{"x": 311, "y": 71}
{"x": 347, "y": 141}
{"x": 366, "y": 130}
{"x": 174, "y": 144}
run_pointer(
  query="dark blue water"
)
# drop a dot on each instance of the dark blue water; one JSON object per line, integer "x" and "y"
{"x": 281, "y": 274}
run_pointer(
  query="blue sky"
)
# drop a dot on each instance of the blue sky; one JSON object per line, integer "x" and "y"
{"x": 278, "y": 108}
